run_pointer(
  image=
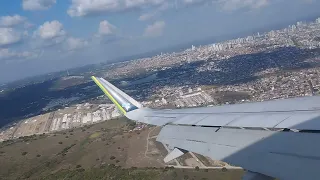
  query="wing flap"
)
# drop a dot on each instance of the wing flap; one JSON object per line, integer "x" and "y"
{"x": 285, "y": 155}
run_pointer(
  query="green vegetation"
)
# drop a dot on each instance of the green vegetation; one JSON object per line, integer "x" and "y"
{"x": 66, "y": 149}
{"x": 95, "y": 135}
{"x": 296, "y": 42}
{"x": 24, "y": 153}
{"x": 29, "y": 138}
{"x": 112, "y": 157}
{"x": 109, "y": 172}
{"x": 317, "y": 38}
{"x": 224, "y": 169}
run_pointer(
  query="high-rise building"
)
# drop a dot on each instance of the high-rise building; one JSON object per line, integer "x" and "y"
{"x": 318, "y": 20}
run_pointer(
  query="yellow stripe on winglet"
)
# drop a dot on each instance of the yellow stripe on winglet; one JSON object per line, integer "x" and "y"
{"x": 108, "y": 94}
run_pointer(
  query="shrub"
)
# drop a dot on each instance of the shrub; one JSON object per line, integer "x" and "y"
{"x": 38, "y": 155}
{"x": 80, "y": 170}
{"x": 60, "y": 142}
{"x": 224, "y": 169}
{"x": 174, "y": 174}
{"x": 78, "y": 166}
{"x": 197, "y": 168}
{"x": 112, "y": 157}
{"x": 24, "y": 153}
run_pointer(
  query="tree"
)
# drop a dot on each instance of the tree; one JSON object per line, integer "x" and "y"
{"x": 197, "y": 168}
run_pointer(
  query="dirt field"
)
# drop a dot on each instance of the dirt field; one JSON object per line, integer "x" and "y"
{"x": 91, "y": 151}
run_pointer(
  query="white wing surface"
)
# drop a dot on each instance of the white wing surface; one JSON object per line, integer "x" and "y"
{"x": 278, "y": 138}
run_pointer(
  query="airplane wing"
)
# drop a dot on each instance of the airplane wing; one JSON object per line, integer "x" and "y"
{"x": 270, "y": 139}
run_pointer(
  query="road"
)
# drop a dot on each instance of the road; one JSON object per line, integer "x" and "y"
{"x": 195, "y": 157}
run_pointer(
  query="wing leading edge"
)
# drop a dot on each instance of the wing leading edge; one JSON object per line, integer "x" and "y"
{"x": 272, "y": 138}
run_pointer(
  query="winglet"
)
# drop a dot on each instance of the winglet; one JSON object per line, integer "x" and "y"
{"x": 123, "y": 101}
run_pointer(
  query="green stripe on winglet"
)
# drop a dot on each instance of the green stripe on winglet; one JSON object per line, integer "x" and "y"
{"x": 108, "y": 94}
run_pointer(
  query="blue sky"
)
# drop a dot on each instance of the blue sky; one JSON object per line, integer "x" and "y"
{"x": 41, "y": 36}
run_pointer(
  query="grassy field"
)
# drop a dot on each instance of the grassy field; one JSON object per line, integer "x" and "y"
{"x": 101, "y": 151}
{"x": 116, "y": 172}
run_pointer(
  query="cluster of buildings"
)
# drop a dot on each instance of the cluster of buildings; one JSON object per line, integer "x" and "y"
{"x": 62, "y": 119}
{"x": 277, "y": 64}
{"x": 79, "y": 117}
{"x": 301, "y": 35}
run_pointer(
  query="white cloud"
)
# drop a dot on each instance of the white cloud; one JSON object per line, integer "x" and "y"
{"x": 9, "y": 36}
{"x": 91, "y": 7}
{"x": 105, "y": 28}
{"x": 190, "y": 2}
{"x": 8, "y": 54}
{"x": 9, "y": 21}
{"x": 238, "y": 4}
{"x": 33, "y": 5}
{"x": 147, "y": 16}
{"x": 96, "y": 7}
{"x": 50, "y": 30}
{"x": 75, "y": 43}
{"x": 155, "y": 29}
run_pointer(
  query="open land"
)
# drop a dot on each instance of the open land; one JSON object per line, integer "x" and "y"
{"x": 104, "y": 150}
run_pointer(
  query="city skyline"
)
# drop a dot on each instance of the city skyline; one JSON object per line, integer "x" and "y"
{"x": 41, "y": 36}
